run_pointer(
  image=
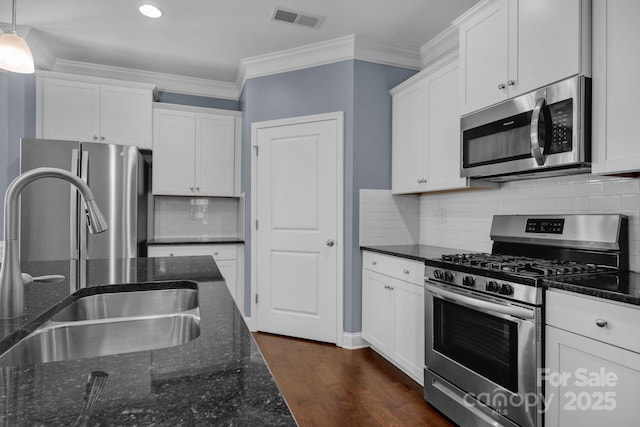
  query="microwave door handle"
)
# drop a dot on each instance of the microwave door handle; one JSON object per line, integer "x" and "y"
{"x": 536, "y": 149}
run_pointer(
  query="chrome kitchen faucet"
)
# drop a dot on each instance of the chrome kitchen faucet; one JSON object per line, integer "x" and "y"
{"x": 11, "y": 281}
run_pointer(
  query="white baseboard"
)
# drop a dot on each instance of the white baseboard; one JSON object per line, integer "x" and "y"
{"x": 251, "y": 324}
{"x": 353, "y": 341}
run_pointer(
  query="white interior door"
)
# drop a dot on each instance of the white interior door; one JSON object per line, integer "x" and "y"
{"x": 298, "y": 194}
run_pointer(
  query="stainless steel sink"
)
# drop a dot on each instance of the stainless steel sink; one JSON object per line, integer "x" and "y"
{"x": 127, "y": 304}
{"x": 55, "y": 342}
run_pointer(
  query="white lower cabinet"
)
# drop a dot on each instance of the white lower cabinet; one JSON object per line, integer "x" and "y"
{"x": 229, "y": 259}
{"x": 393, "y": 310}
{"x": 592, "y": 362}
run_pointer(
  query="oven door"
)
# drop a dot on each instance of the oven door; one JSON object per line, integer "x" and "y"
{"x": 490, "y": 348}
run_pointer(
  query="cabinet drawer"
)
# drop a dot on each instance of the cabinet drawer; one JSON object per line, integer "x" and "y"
{"x": 579, "y": 314}
{"x": 219, "y": 252}
{"x": 399, "y": 268}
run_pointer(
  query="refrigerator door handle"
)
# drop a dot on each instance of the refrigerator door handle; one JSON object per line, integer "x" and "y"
{"x": 84, "y": 174}
{"x": 73, "y": 207}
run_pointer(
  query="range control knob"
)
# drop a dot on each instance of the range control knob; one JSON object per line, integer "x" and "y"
{"x": 438, "y": 274}
{"x": 506, "y": 289}
{"x": 469, "y": 281}
{"x": 448, "y": 276}
{"x": 492, "y": 286}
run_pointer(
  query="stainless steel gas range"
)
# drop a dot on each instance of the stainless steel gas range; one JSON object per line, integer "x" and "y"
{"x": 483, "y": 313}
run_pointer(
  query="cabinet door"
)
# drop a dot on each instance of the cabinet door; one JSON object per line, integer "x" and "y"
{"x": 484, "y": 57}
{"x": 70, "y": 110}
{"x": 408, "y": 157}
{"x": 215, "y": 155}
{"x": 377, "y": 302}
{"x": 173, "y": 152}
{"x": 608, "y": 399}
{"x": 408, "y": 328}
{"x": 443, "y": 130}
{"x": 125, "y": 116}
{"x": 228, "y": 271}
{"x": 548, "y": 43}
{"x": 616, "y": 141}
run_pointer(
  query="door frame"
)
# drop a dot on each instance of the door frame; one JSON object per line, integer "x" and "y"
{"x": 338, "y": 117}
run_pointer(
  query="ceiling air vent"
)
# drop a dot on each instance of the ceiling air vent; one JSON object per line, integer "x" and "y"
{"x": 297, "y": 18}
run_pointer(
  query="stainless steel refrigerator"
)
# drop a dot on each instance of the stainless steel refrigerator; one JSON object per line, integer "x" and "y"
{"x": 52, "y": 225}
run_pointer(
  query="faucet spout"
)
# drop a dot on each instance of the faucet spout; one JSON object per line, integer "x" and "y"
{"x": 11, "y": 283}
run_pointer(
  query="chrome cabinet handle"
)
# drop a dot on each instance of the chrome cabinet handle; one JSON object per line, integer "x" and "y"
{"x": 329, "y": 242}
{"x": 102, "y": 138}
{"x": 406, "y": 271}
{"x": 191, "y": 188}
{"x": 501, "y": 86}
{"x": 170, "y": 253}
{"x": 601, "y": 323}
{"x": 511, "y": 83}
{"x": 95, "y": 137}
{"x": 534, "y": 137}
{"x": 374, "y": 263}
{"x": 389, "y": 288}
{"x": 197, "y": 188}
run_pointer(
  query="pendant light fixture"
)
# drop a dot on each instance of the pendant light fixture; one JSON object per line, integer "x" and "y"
{"x": 15, "y": 54}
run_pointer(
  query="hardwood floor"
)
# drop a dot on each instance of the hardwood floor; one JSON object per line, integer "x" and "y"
{"x": 326, "y": 385}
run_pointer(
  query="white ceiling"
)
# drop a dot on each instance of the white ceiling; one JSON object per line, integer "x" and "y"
{"x": 208, "y": 38}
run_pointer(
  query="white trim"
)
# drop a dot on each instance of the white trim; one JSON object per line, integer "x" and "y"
{"x": 196, "y": 109}
{"x": 165, "y": 82}
{"x": 339, "y": 118}
{"x": 327, "y": 52}
{"x": 251, "y": 323}
{"x": 471, "y": 12}
{"x": 441, "y": 62}
{"x": 386, "y": 54}
{"x": 353, "y": 341}
{"x": 1, "y": 249}
{"x": 92, "y": 79}
{"x": 439, "y": 46}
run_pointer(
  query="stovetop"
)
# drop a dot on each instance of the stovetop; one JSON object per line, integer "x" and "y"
{"x": 519, "y": 266}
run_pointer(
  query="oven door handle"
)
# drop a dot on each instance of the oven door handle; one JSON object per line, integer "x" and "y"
{"x": 483, "y": 305}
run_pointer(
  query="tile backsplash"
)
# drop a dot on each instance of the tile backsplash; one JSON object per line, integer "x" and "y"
{"x": 197, "y": 217}
{"x": 466, "y": 221}
{"x": 462, "y": 220}
{"x": 387, "y": 219}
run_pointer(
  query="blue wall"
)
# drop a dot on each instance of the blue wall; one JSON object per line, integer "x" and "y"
{"x": 17, "y": 119}
{"x": 198, "y": 101}
{"x": 360, "y": 90}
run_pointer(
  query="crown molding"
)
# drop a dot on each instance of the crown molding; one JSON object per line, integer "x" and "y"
{"x": 473, "y": 11}
{"x": 164, "y": 82}
{"x": 387, "y": 54}
{"x": 439, "y": 47}
{"x": 327, "y": 52}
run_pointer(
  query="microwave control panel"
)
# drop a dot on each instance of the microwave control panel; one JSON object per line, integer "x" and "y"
{"x": 561, "y": 115}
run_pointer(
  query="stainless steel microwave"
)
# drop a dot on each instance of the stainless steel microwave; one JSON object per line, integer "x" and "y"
{"x": 542, "y": 133}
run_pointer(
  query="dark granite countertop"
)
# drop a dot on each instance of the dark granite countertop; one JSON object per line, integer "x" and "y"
{"x": 623, "y": 287}
{"x": 219, "y": 378}
{"x": 414, "y": 252}
{"x": 194, "y": 241}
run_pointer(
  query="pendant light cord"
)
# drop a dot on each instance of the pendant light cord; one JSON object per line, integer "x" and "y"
{"x": 13, "y": 18}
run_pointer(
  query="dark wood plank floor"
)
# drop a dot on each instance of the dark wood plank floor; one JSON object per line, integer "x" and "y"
{"x": 326, "y": 385}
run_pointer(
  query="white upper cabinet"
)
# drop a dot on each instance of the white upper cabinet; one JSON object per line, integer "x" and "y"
{"x": 95, "y": 110}
{"x": 615, "y": 146}
{"x": 510, "y": 47}
{"x": 195, "y": 151}
{"x": 426, "y": 132}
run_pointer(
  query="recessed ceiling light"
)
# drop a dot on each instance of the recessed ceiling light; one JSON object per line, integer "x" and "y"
{"x": 150, "y": 10}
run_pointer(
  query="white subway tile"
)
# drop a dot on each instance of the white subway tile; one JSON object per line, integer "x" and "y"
{"x": 589, "y": 189}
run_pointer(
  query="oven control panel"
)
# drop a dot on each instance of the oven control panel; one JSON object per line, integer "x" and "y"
{"x": 541, "y": 225}
{"x": 487, "y": 285}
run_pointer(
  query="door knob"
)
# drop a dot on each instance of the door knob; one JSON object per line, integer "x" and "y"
{"x": 329, "y": 242}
